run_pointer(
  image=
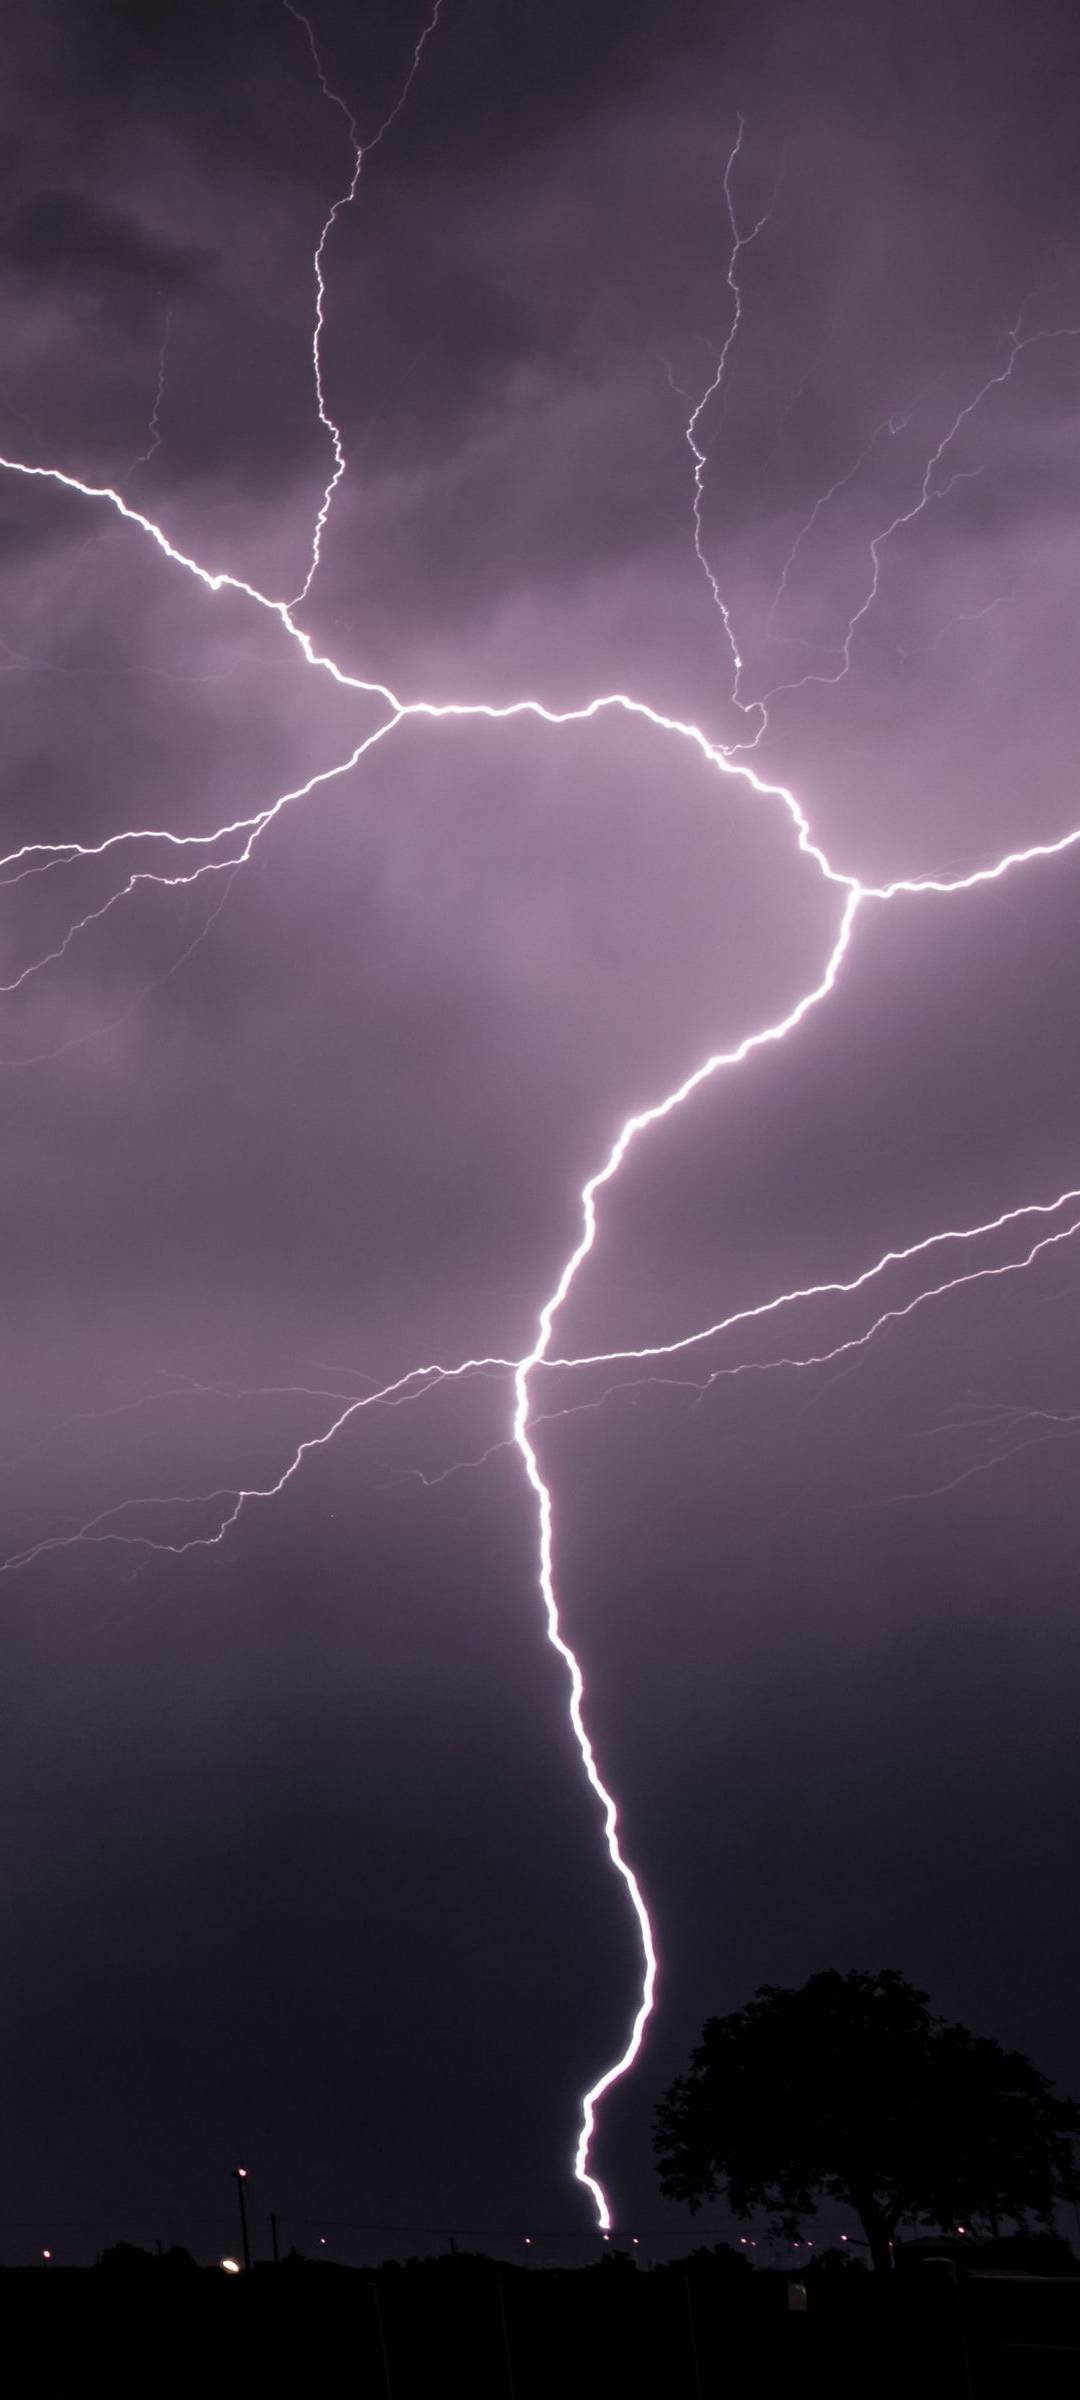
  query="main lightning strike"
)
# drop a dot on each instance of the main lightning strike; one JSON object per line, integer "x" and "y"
{"x": 113, "y": 1524}
{"x": 102, "y": 1528}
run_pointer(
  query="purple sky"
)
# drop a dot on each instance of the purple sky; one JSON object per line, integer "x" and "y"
{"x": 298, "y": 1850}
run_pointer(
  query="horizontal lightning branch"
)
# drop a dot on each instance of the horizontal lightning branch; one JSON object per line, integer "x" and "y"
{"x": 103, "y": 1528}
{"x": 856, "y": 1283}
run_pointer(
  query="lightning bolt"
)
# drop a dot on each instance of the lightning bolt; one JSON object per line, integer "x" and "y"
{"x": 360, "y": 151}
{"x": 895, "y": 424}
{"x": 929, "y": 491}
{"x": 153, "y": 430}
{"x": 739, "y": 243}
{"x": 228, "y": 848}
{"x": 895, "y": 1315}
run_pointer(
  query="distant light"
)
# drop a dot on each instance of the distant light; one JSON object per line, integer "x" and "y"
{"x": 241, "y": 2172}
{"x": 230, "y": 2265}
{"x": 742, "y": 2238}
{"x": 46, "y": 2254}
{"x": 322, "y": 2240}
{"x": 528, "y": 2241}
{"x": 960, "y": 2229}
{"x": 843, "y": 2237}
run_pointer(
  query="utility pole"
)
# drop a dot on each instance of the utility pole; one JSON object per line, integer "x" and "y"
{"x": 240, "y": 2178}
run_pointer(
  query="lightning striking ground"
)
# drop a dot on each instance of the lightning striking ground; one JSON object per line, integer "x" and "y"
{"x": 131, "y": 1522}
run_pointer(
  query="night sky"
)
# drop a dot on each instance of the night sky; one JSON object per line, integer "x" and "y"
{"x": 299, "y": 1857}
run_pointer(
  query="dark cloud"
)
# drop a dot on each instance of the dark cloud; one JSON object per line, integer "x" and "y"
{"x": 95, "y": 260}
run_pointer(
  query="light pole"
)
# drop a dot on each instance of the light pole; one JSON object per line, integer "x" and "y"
{"x": 240, "y": 2178}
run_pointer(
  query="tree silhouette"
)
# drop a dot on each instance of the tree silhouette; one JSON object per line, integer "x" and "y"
{"x": 847, "y": 2089}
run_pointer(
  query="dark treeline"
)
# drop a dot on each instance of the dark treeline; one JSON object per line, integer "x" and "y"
{"x": 982, "y": 2322}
